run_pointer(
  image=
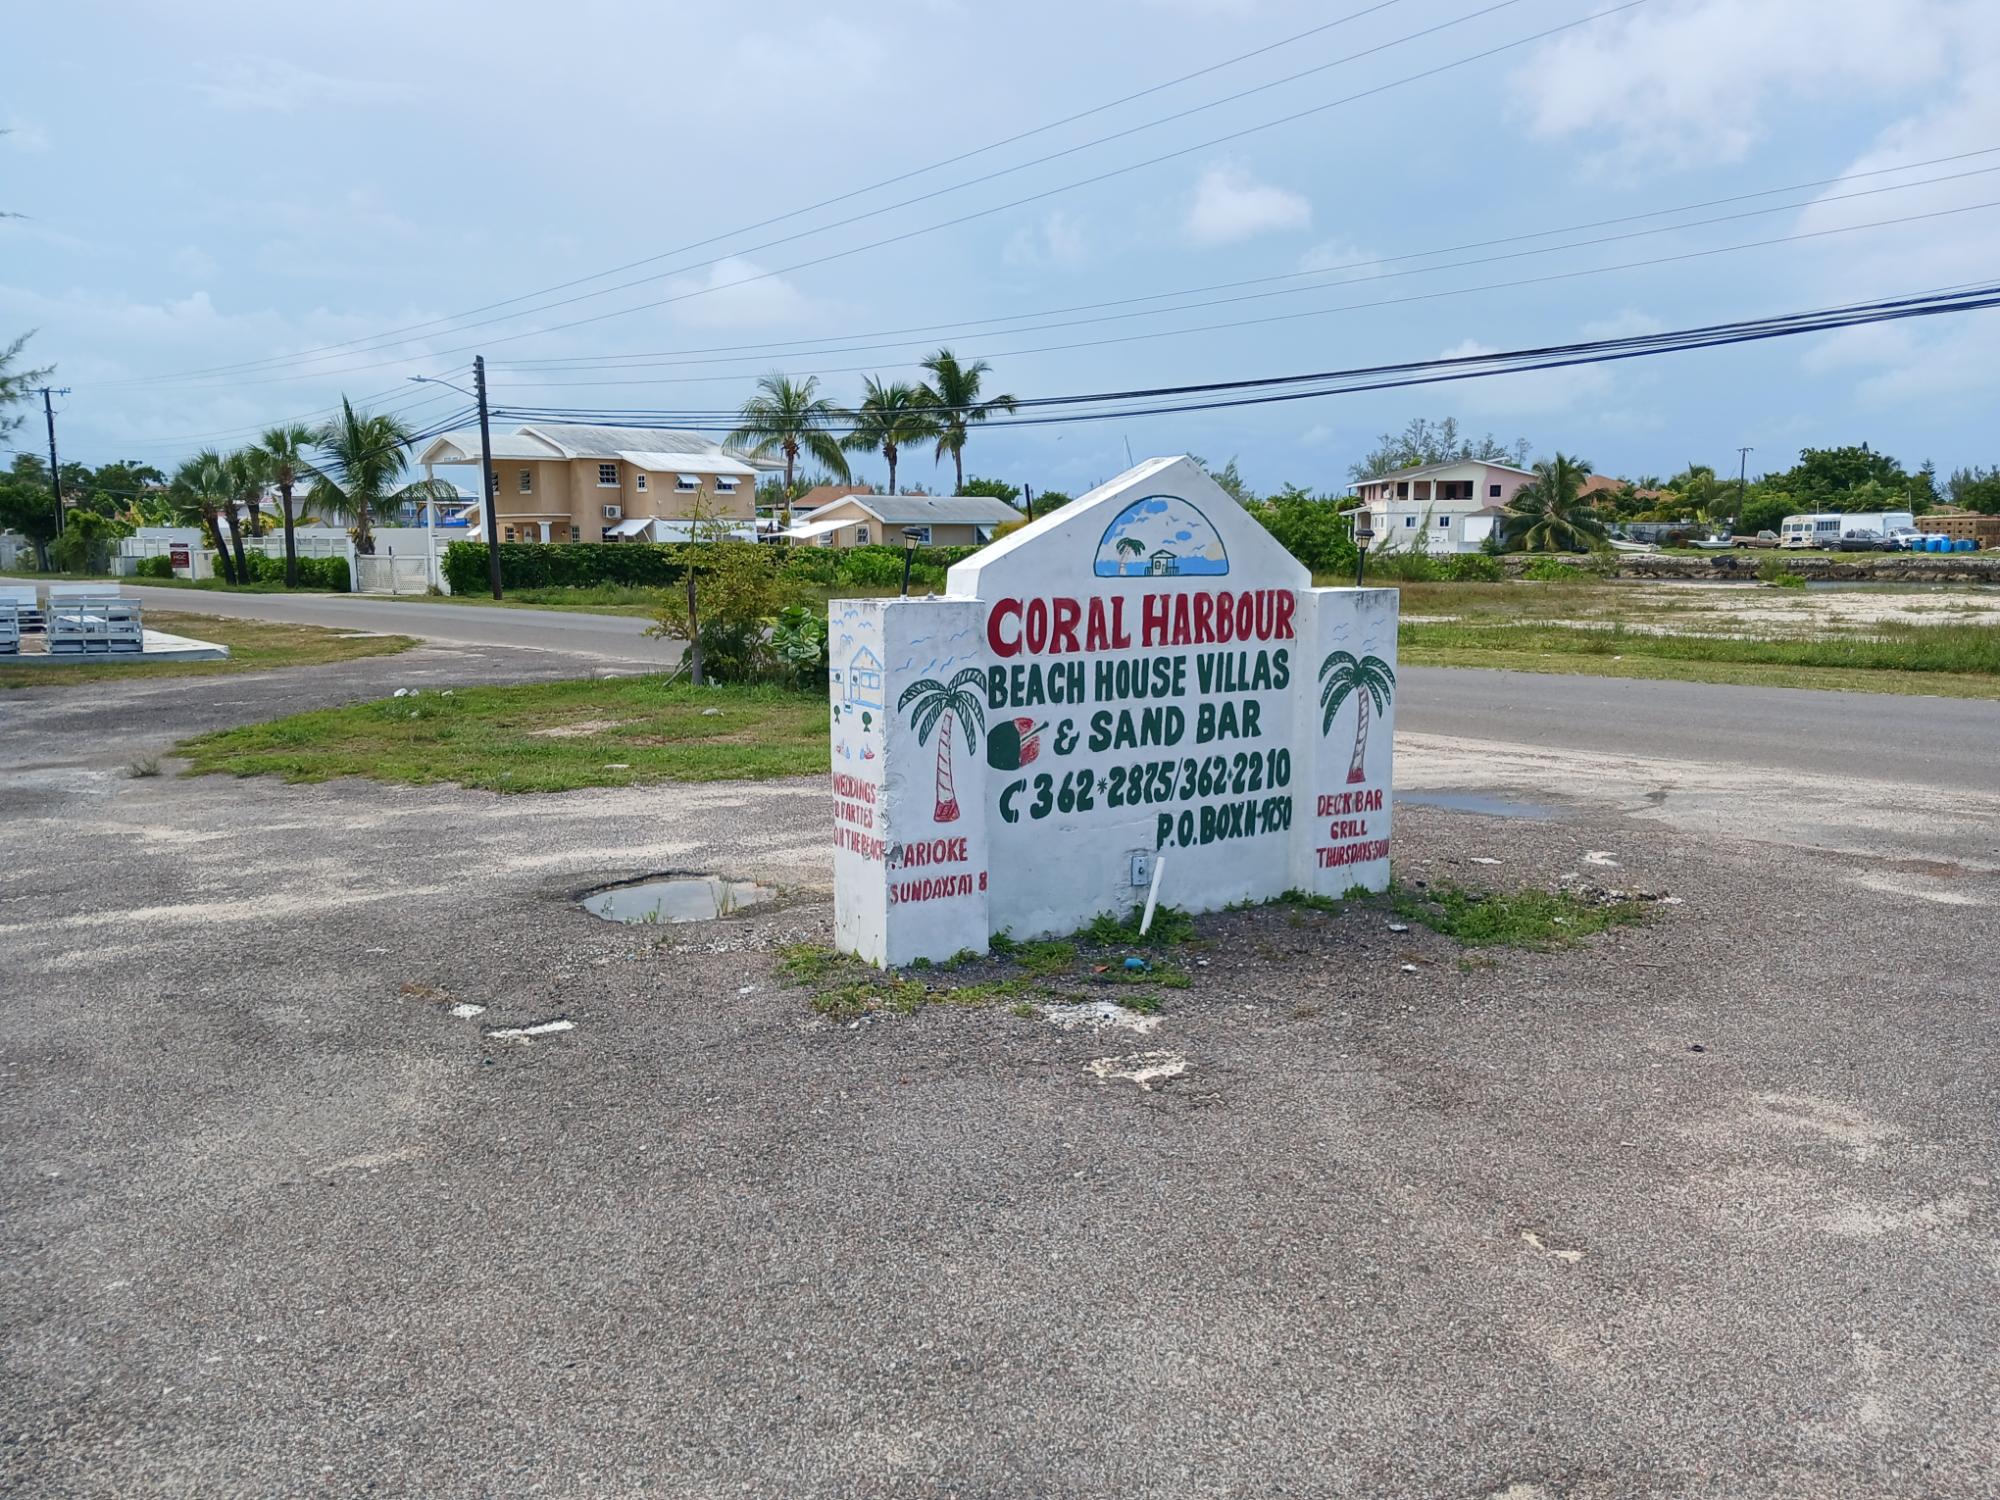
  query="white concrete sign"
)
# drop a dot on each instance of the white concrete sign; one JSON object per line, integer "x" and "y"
{"x": 1143, "y": 673}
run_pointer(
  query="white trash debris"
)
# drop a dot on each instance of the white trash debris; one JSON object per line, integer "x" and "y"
{"x": 1568, "y": 1257}
{"x": 746, "y": 989}
{"x": 1399, "y": 926}
{"x": 1098, "y": 1014}
{"x": 711, "y": 713}
{"x": 1143, "y": 1068}
{"x": 468, "y": 1011}
{"x": 523, "y": 1033}
{"x": 1409, "y": 968}
{"x": 1481, "y": 859}
{"x": 1599, "y": 857}
{"x": 408, "y": 692}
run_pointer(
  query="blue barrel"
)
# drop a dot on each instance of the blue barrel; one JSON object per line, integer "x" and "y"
{"x": 1963, "y": 544}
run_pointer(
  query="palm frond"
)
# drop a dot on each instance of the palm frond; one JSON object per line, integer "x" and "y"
{"x": 917, "y": 690}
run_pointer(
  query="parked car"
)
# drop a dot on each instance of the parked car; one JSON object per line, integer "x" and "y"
{"x": 1861, "y": 541}
{"x": 1761, "y": 539}
{"x": 1902, "y": 539}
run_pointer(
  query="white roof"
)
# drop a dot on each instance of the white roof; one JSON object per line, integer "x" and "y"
{"x": 820, "y": 528}
{"x": 929, "y": 510}
{"x": 1426, "y": 471}
{"x": 630, "y": 527}
{"x": 687, "y": 463}
{"x": 566, "y": 440}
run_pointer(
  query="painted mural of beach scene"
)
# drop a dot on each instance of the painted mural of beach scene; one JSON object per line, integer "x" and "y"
{"x": 1161, "y": 536}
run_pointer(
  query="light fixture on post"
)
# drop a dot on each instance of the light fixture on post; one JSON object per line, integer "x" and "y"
{"x": 912, "y": 538}
{"x": 1363, "y": 535}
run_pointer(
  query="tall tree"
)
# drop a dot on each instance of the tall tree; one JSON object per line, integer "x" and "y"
{"x": 16, "y": 384}
{"x": 791, "y": 417}
{"x": 285, "y": 447}
{"x": 244, "y": 474}
{"x": 889, "y": 417}
{"x": 199, "y": 486}
{"x": 362, "y": 461}
{"x": 1426, "y": 442}
{"x": 953, "y": 394}
{"x": 1549, "y": 513}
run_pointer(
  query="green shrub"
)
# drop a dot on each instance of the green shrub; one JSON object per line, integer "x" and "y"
{"x": 1773, "y": 570}
{"x": 655, "y": 565}
{"x": 154, "y": 567}
{"x": 1553, "y": 570}
{"x": 1470, "y": 567}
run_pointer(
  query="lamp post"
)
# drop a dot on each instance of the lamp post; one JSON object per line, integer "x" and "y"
{"x": 1363, "y": 535}
{"x": 911, "y": 538}
{"x": 478, "y": 394}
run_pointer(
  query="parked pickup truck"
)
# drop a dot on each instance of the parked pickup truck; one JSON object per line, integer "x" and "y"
{"x": 1761, "y": 539}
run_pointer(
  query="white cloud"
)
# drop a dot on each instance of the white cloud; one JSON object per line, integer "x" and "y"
{"x": 272, "y": 83}
{"x": 1691, "y": 83}
{"x": 23, "y": 135}
{"x": 1230, "y": 205}
{"x": 1337, "y": 255}
{"x": 736, "y": 293}
{"x": 1532, "y": 391}
{"x": 1057, "y": 241}
{"x": 1316, "y": 436}
{"x": 194, "y": 262}
{"x": 1625, "y": 324}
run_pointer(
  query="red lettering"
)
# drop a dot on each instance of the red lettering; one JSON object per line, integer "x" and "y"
{"x": 1062, "y": 633}
{"x": 1267, "y": 613}
{"x": 1281, "y": 626}
{"x": 1183, "y": 634}
{"x": 1204, "y": 619}
{"x": 1120, "y": 637}
{"x": 1153, "y": 618}
{"x": 1002, "y": 646}
{"x": 1246, "y": 614}
{"x": 1035, "y": 629}
{"x": 1093, "y": 632}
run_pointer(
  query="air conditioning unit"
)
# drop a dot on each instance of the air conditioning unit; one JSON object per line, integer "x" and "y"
{"x": 614, "y": 512}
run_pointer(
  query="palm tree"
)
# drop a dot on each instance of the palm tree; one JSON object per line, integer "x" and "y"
{"x": 1131, "y": 547}
{"x": 198, "y": 487}
{"x": 946, "y": 701}
{"x": 363, "y": 460}
{"x": 1368, "y": 678}
{"x": 888, "y": 417}
{"x": 953, "y": 390}
{"x": 792, "y": 417}
{"x": 284, "y": 448}
{"x": 1549, "y": 514}
{"x": 245, "y": 474}
{"x": 16, "y": 384}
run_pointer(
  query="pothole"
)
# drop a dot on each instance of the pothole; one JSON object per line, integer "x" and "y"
{"x": 1478, "y": 802}
{"x": 683, "y": 898}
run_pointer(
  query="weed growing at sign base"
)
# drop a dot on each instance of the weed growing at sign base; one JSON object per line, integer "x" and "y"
{"x": 1518, "y": 919}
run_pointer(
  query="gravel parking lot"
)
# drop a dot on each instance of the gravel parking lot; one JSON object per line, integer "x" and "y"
{"x": 1705, "y": 1207}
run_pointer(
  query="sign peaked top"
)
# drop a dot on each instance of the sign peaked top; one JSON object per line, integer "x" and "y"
{"x": 1165, "y": 521}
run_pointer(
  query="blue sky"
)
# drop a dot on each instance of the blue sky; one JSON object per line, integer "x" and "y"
{"x": 217, "y": 183}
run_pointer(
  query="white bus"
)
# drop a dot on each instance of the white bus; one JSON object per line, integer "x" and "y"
{"x": 1825, "y": 528}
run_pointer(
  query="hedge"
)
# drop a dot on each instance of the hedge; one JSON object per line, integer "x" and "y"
{"x": 540, "y": 565}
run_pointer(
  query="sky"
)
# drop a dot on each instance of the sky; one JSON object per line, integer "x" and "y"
{"x": 231, "y": 213}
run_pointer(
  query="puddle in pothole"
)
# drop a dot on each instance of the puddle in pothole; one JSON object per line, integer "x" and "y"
{"x": 683, "y": 898}
{"x": 1478, "y": 802}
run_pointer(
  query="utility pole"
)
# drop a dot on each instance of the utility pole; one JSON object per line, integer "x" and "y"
{"x": 55, "y": 472}
{"x": 1742, "y": 473}
{"x": 486, "y": 473}
{"x": 1028, "y": 492}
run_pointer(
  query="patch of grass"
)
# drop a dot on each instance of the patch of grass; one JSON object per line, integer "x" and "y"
{"x": 1052, "y": 957}
{"x": 1309, "y": 900}
{"x": 1023, "y": 1009}
{"x": 254, "y": 646}
{"x": 809, "y": 963}
{"x": 1171, "y": 927}
{"x": 846, "y": 1002}
{"x": 1356, "y": 892}
{"x": 537, "y": 737}
{"x": 1145, "y": 1005}
{"x": 1003, "y": 945}
{"x": 596, "y": 598}
{"x": 1511, "y": 919}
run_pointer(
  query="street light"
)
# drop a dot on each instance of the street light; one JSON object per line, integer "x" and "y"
{"x": 478, "y": 394}
{"x": 911, "y": 539}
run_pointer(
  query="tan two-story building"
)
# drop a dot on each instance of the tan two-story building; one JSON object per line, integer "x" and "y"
{"x": 927, "y": 520}
{"x": 557, "y": 482}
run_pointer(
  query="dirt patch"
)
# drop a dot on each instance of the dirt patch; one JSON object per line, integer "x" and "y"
{"x": 581, "y": 729}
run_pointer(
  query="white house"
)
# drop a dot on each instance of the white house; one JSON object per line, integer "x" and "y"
{"x": 1454, "y": 507}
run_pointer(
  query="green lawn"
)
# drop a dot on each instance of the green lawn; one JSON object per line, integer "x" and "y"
{"x": 254, "y": 646}
{"x": 540, "y": 737}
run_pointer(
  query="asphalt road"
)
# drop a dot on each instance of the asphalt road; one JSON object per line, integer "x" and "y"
{"x": 619, "y": 638}
{"x": 1702, "y": 1208}
{"x": 1944, "y": 743}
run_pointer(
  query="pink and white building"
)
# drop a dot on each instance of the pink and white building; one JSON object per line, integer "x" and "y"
{"x": 1454, "y": 507}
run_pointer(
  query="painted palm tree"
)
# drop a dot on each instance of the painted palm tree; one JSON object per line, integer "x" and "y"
{"x": 1549, "y": 513}
{"x": 284, "y": 448}
{"x": 889, "y": 416}
{"x": 1367, "y": 679}
{"x": 938, "y": 704}
{"x": 953, "y": 393}
{"x": 197, "y": 488}
{"x": 1130, "y": 547}
{"x": 362, "y": 461}
{"x": 789, "y": 417}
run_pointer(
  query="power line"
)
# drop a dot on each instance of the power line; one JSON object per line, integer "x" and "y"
{"x": 968, "y": 327}
{"x": 988, "y": 212}
{"x": 451, "y": 318}
{"x": 1320, "y": 312}
{"x": 1270, "y": 389}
